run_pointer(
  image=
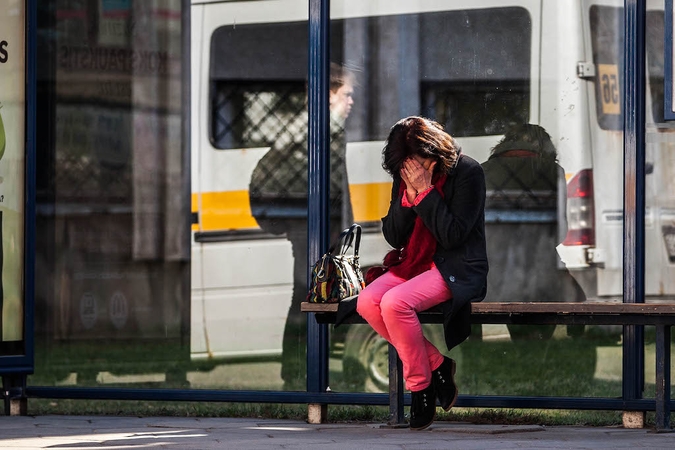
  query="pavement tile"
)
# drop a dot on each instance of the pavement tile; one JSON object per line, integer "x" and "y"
{"x": 185, "y": 433}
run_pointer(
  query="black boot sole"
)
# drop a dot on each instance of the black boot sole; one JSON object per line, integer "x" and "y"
{"x": 424, "y": 427}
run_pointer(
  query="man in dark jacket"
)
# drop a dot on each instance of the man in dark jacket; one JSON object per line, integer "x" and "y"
{"x": 278, "y": 196}
{"x": 525, "y": 182}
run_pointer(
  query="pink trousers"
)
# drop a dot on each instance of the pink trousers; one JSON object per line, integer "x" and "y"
{"x": 390, "y": 305}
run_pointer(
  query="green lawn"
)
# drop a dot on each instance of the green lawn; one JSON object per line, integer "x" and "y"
{"x": 588, "y": 366}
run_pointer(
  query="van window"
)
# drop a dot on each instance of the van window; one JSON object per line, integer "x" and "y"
{"x": 246, "y": 115}
{"x": 475, "y": 82}
{"x": 455, "y": 68}
{"x": 654, "y": 33}
{"x": 607, "y": 40}
{"x": 477, "y": 109}
{"x": 258, "y": 82}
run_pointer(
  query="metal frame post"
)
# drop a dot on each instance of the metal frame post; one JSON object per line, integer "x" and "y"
{"x": 662, "y": 397}
{"x": 319, "y": 184}
{"x": 634, "y": 192}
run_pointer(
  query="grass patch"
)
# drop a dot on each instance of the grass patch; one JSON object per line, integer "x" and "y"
{"x": 39, "y": 407}
{"x": 336, "y": 413}
{"x": 581, "y": 367}
{"x": 533, "y": 417}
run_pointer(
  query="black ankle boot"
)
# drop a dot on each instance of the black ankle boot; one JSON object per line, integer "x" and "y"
{"x": 444, "y": 383}
{"x": 423, "y": 408}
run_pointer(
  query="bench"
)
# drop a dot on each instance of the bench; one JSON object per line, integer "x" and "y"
{"x": 660, "y": 315}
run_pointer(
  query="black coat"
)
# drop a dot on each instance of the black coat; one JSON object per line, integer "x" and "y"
{"x": 457, "y": 221}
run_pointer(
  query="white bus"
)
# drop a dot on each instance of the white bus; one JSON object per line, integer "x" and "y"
{"x": 475, "y": 66}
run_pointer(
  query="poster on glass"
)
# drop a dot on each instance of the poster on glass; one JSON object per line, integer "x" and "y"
{"x": 12, "y": 176}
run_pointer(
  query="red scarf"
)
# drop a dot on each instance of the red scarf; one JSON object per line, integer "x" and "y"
{"x": 418, "y": 254}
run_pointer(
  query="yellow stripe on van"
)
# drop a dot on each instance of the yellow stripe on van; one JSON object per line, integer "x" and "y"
{"x": 370, "y": 201}
{"x": 231, "y": 210}
{"x": 226, "y": 210}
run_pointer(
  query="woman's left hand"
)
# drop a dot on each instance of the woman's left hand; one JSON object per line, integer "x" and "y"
{"x": 418, "y": 175}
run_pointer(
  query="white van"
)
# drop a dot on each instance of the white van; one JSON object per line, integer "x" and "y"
{"x": 476, "y": 66}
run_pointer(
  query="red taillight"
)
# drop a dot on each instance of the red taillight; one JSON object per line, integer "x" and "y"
{"x": 580, "y": 210}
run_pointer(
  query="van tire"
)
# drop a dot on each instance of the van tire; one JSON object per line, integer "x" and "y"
{"x": 530, "y": 332}
{"x": 366, "y": 360}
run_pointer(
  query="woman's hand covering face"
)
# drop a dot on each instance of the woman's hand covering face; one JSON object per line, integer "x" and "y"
{"x": 417, "y": 173}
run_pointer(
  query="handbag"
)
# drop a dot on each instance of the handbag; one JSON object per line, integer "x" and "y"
{"x": 337, "y": 274}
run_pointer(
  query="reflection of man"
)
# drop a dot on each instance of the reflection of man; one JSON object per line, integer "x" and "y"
{"x": 340, "y": 99}
{"x": 278, "y": 195}
{"x": 522, "y": 176}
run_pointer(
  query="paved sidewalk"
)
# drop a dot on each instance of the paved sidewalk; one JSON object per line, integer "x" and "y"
{"x": 93, "y": 432}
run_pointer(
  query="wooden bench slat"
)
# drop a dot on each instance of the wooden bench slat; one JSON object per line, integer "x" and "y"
{"x": 573, "y": 308}
{"x": 539, "y": 308}
{"x": 318, "y": 307}
{"x": 661, "y": 315}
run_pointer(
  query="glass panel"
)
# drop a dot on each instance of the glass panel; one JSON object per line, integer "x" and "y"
{"x": 498, "y": 80}
{"x": 660, "y": 170}
{"x": 12, "y": 169}
{"x": 250, "y": 191}
{"x": 112, "y": 254}
{"x": 659, "y": 184}
{"x": 246, "y": 315}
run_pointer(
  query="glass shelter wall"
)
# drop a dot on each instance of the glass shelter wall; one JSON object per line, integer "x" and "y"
{"x": 530, "y": 89}
{"x": 660, "y": 166}
{"x": 13, "y": 132}
{"x": 111, "y": 258}
{"x": 544, "y": 119}
{"x": 659, "y": 175}
{"x": 541, "y": 117}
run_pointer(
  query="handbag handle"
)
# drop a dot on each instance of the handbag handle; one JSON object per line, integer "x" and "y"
{"x": 349, "y": 236}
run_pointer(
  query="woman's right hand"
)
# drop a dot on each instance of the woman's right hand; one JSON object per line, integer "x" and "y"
{"x": 417, "y": 175}
{"x": 410, "y": 191}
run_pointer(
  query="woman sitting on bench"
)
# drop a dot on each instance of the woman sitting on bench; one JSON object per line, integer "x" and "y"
{"x": 436, "y": 226}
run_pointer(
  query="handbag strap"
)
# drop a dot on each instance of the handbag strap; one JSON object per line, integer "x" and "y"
{"x": 349, "y": 236}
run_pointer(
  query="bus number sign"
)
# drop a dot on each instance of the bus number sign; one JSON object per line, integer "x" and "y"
{"x": 608, "y": 76}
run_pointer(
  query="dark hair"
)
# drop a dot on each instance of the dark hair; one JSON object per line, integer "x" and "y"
{"x": 419, "y": 136}
{"x": 527, "y": 136}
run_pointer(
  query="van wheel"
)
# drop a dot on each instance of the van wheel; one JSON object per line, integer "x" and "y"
{"x": 366, "y": 360}
{"x": 530, "y": 332}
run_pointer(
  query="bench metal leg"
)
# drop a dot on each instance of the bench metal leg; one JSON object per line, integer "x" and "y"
{"x": 317, "y": 413}
{"x": 662, "y": 378}
{"x": 396, "y": 417}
